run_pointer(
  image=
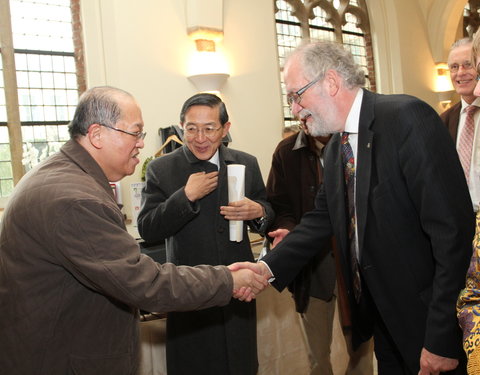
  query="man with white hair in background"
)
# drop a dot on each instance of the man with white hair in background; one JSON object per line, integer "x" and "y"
{"x": 462, "y": 119}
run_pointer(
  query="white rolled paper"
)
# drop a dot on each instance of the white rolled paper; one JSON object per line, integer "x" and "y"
{"x": 236, "y": 192}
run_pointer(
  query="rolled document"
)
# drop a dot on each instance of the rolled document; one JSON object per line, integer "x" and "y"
{"x": 236, "y": 192}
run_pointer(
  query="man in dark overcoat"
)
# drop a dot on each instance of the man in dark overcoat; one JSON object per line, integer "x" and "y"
{"x": 185, "y": 201}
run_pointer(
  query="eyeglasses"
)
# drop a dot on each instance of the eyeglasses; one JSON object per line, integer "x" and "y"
{"x": 138, "y": 135}
{"x": 466, "y": 65}
{"x": 296, "y": 97}
{"x": 209, "y": 131}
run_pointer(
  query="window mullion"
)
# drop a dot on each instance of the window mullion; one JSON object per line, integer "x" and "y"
{"x": 11, "y": 92}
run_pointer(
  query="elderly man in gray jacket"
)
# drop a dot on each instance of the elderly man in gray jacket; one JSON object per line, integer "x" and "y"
{"x": 71, "y": 277}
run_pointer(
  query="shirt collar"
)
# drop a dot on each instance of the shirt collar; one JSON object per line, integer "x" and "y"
{"x": 215, "y": 159}
{"x": 353, "y": 118}
{"x": 301, "y": 141}
{"x": 465, "y": 104}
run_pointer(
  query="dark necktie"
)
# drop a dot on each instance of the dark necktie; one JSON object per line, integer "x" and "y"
{"x": 207, "y": 167}
{"x": 465, "y": 143}
{"x": 349, "y": 174}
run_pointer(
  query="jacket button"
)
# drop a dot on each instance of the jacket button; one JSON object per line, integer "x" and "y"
{"x": 220, "y": 229}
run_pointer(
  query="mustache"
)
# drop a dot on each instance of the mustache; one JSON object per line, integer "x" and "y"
{"x": 303, "y": 114}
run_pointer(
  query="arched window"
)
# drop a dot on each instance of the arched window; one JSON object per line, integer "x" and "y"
{"x": 342, "y": 21}
{"x": 49, "y": 75}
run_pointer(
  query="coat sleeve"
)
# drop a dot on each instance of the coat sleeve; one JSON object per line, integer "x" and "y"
{"x": 300, "y": 246}
{"x": 256, "y": 192}
{"x": 163, "y": 213}
{"x": 93, "y": 245}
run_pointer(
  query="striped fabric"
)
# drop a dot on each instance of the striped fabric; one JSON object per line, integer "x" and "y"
{"x": 465, "y": 142}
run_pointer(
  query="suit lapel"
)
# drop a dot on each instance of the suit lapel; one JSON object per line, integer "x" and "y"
{"x": 364, "y": 164}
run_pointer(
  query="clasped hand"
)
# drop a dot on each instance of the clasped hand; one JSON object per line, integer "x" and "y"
{"x": 244, "y": 209}
{"x": 249, "y": 279}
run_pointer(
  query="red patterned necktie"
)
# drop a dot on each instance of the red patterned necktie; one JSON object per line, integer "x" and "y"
{"x": 465, "y": 143}
{"x": 349, "y": 174}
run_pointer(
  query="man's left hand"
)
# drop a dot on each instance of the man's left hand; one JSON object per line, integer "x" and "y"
{"x": 244, "y": 209}
{"x": 432, "y": 364}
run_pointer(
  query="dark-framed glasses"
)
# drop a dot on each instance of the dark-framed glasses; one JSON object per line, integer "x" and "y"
{"x": 138, "y": 135}
{"x": 466, "y": 65}
{"x": 209, "y": 131}
{"x": 296, "y": 97}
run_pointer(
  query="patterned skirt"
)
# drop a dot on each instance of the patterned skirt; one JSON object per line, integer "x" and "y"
{"x": 468, "y": 307}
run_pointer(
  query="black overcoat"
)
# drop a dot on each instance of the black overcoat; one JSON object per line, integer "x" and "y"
{"x": 217, "y": 340}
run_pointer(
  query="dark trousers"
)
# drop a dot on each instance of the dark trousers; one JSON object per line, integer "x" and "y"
{"x": 389, "y": 359}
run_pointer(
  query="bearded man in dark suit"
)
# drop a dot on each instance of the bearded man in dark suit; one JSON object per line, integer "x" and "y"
{"x": 404, "y": 235}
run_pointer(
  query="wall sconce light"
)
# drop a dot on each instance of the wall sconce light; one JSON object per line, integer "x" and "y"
{"x": 443, "y": 85}
{"x": 208, "y": 68}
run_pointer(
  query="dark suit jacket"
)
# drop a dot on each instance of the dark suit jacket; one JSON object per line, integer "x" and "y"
{"x": 451, "y": 117}
{"x": 415, "y": 225}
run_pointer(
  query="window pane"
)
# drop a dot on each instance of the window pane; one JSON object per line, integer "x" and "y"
{"x": 34, "y": 78}
{"x": 46, "y": 63}
{"x": 62, "y": 113}
{"x": 63, "y": 134}
{"x": 6, "y": 187}
{"x": 6, "y": 169}
{"x": 25, "y": 114}
{"x": 47, "y": 80}
{"x": 4, "y": 152}
{"x": 3, "y": 113}
{"x": 37, "y": 113}
{"x": 22, "y": 79}
{"x": 50, "y": 113}
{"x": 44, "y": 25}
{"x": 39, "y": 133}
{"x": 27, "y": 134}
{"x": 33, "y": 62}
{"x": 60, "y": 97}
{"x": 71, "y": 81}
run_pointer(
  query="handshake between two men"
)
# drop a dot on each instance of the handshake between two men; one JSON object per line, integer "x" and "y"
{"x": 249, "y": 279}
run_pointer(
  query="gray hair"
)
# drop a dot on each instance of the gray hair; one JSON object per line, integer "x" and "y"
{"x": 318, "y": 58}
{"x": 461, "y": 42}
{"x": 98, "y": 105}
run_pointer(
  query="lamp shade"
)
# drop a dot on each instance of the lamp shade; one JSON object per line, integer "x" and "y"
{"x": 209, "y": 81}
